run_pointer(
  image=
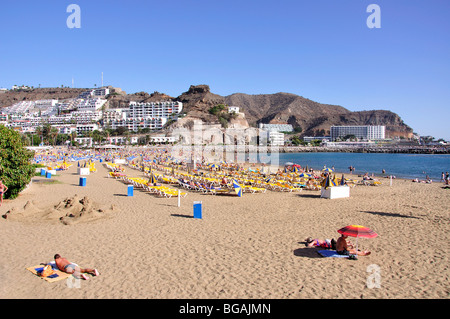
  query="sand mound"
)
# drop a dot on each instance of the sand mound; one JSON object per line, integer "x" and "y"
{"x": 70, "y": 211}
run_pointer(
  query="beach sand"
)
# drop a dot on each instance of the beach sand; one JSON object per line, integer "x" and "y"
{"x": 249, "y": 247}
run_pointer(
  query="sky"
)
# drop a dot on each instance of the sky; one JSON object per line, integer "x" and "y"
{"x": 322, "y": 50}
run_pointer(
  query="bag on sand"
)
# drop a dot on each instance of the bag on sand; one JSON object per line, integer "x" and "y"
{"x": 47, "y": 271}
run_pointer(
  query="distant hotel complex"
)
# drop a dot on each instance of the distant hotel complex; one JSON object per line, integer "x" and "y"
{"x": 362, "y": 132}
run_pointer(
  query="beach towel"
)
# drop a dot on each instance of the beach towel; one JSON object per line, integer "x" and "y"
{"x": 58, "y": 275}
{"x": 331, "y": 253}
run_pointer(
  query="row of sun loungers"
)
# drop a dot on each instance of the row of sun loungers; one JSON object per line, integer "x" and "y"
{"x": 142, "y": 183}
{"x": 160, "y": 190}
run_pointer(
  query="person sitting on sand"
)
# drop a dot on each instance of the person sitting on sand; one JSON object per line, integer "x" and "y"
{"x": 224, "y": 181}
{"x": 343, "y": 248}
{"x": 71, "y": 268}
{"x": 327, "y": 243}
{"x": 3, "y": 190}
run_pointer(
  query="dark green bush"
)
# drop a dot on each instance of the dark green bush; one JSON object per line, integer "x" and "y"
{"x": 15, "y": 162}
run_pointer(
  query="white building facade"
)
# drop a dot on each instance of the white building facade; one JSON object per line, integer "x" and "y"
{"x": 276, "y": 138}
{"x": 276, "y": 127}
{"x": 361, "y": 132}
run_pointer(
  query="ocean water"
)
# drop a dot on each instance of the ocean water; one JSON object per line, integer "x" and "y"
{"x": 399, "y": 165}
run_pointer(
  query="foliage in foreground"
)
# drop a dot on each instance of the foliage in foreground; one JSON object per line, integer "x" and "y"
{"x": 16, "y": 169}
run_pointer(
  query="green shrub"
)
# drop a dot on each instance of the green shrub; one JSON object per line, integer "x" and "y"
{"x": 216, "y": 109}
{"x": 15, "y": 166}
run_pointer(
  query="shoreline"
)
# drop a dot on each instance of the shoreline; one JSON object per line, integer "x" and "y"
{"x": 241, "y": 155}
{"x": 388, "y": 150}
{"x": 300, "y": 149}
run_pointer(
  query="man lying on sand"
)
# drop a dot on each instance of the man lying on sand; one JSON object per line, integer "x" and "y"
{"x": 71, "y": 268}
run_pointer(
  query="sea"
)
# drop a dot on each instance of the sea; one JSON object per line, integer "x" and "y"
{"x": 409, "y": 166}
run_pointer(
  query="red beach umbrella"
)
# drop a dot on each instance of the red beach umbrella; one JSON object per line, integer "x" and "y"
{"x": 357, "y": 231}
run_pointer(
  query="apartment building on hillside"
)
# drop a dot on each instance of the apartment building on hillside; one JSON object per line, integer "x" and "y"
{"x": 361, "y": 132}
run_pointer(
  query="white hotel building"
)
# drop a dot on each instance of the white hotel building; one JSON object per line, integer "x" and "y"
{"x": 152, "y": 115}
{"x": 154, "y": 109}
{"x": 362, "y": 132}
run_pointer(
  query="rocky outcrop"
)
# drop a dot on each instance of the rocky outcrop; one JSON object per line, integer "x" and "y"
{"x": 313, "y": 118}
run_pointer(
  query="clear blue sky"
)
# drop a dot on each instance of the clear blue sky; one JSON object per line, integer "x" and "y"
{"x": 319, "y": 49}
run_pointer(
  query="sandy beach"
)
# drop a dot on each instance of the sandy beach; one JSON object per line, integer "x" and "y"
{"x": 145, "y": 246}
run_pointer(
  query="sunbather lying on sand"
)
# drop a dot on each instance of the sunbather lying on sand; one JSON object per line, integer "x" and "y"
{"x": 71, "y": 268}
{"x": 324, "y": 243}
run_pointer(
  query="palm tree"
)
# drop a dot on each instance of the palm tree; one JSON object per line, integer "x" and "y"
{"x": 46, "y": 133}
{"x": 106, "y": 133}
{"x": 53, "y": 134}
{"x": 73, "y": 136}
{"x": 39, "y": 132}
{"x": 97, "y": 136}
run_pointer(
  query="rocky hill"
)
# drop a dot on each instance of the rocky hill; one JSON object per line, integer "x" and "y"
{"x": 122, "y": 100}
{"x": 312, "y": 118}
{"x": 12, "y": 97}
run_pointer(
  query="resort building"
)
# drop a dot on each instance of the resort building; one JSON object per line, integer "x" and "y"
{"x": 151, "y": 115}
{"x": 66, "y": 128}
{"x": 87, "y": 112}
{"x": 135, "y": 124}
{"x": 100, "y": 92}
{"x": 123, "y": 139}
{"x": 154, "y": 110}
{"x": 111, "y": 115}
{"x": 275, "y": 138}
{"x": 362, "y": 132}
{"x": 19, "y": 108}
{"x": 233, "y": 109}
{"x": 90, "y": 104}
{"x": 276, "y": 127}
{"x": 86, "y": 128}
{"x": 83, "y": 117}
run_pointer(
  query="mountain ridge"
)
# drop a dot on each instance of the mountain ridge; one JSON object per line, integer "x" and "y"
{"x": 309, "y": 117}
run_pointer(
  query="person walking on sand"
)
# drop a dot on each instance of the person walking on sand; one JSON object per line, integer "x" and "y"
{"x": 71, "y": 268}
{"x": 343, "y": 249}
{"x": 3, "y": 190}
